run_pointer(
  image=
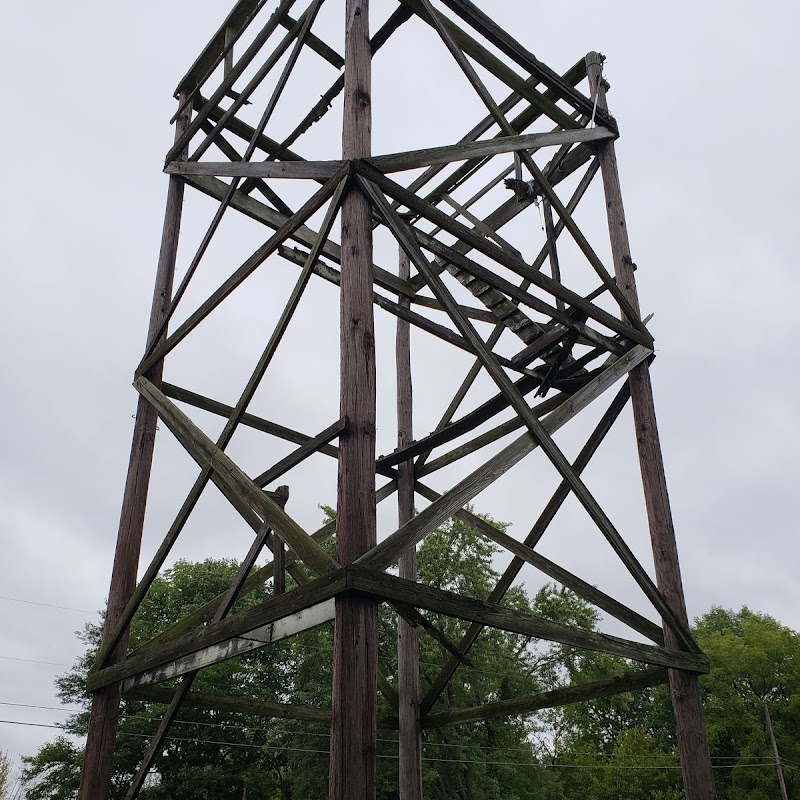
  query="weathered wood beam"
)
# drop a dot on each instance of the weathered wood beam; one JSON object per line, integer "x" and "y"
{"x": 540, "y": 433}
{"x": 313, "y": 593}
{"x": 394, "y": 589}
{"x": 414, "y": 159}
{"x": 580, "y": 587}
{"x": 316, "y": 44}
{"x": 468, "y": 422}
{"x": 248, "y": 133}
{"x": 698, "y": 775}
{"x": 501, "y": 256}
{"x": 249, "y": 420}
{"x": 333, "y": 188}
{"x": 302, "y": 170}
{"x": 628, "y": 309}
{"x": 528, "y": 704}
{"x": 303, "y": 620}
{"x": 96, "y": 773}
{"x": 302, "y": 453}
{"x": 494, "y": 434}
{"x": 532, "y": 539}
{"x": 468, "y": 488}
{"x": 249, "y": 706}
{"x": 234, "y": 480}
{"x": 479, "y": 224}
{"x": 272, "y": 219}
{"x": 493, "y": 64}
{"x": 225, "y": 86}
{"x": 232, "y": 154}
{"x": 353, "y": 744}
{"x": 237, "y": 21}
{"x": 507, "y": 44}
{"x": 410, "y": 732}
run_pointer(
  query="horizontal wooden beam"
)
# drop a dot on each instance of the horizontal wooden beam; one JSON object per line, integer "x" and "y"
{"x": 302, "y": 170}
{"x": 393, "y": 589}
{"x": 313, "y": 593}
{"x": 469, "y": 422}
{"x": 414, "y": 159}
{"x": 583, "y": 589}
{"x": 248, "y": 706}
{"x": 241, "y": 15}
{"x": 303, "y": 620}
{"x": 528, "y": 704}
{"x": 237, "y": 705}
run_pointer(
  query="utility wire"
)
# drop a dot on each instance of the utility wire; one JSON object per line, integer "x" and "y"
{"x": 32, "y": 661}
{"x": 48, "y": 605}
{"x": 536, "y": 764}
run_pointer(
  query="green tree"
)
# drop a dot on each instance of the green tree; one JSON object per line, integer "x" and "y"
{"x": 754, "y": 661}
{"x": 217, "y": 755}
{"x": 5, "y": 775}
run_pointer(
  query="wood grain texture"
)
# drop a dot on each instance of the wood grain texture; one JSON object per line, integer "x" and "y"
{"x": 410, "y": 732}
{"x": 353, "y": 747}
{"x": 528, "y": 704}
{"x": 234, "y": 482}
{"x": 312, "y": 593}
{"x": 698, "y": 776}
{"x": 103, "y": 718}
{"x": 389, "y": 587}
{"x": 302, "y": 170}
{"x": 414, "y": 159}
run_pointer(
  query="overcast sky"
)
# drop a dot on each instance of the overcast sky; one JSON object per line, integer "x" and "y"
{"x": 704, "y": 95}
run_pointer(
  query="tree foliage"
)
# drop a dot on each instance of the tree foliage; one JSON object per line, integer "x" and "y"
{"x": 754, "y": 661}
{"x": 5, "y": 775}
{"x": 218, "y": 755}
{"x": 615, "y": 747}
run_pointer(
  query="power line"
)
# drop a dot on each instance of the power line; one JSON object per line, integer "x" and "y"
{"x": 33, "y": 661}
{"x": 424, "y": 758}
{"x": 48, "y": 605}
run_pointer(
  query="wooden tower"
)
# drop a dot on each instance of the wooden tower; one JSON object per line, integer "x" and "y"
{"x": 548, "y": 335}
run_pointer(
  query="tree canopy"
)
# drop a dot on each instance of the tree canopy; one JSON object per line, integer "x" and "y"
{"x": 618, "y": 746}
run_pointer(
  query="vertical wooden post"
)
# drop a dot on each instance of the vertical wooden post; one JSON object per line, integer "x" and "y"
{"x": 104, "y": 717}
{"x": 410, "y": 743}
{"x": 354, "y": 708}
{"x": 774, "y": 744}
{"x": 698, "y": 777}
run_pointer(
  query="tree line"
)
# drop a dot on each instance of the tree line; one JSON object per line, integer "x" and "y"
{"x": 622, "y": 746}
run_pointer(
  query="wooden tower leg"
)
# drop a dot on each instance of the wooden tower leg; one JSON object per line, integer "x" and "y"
{"x": 410, "y": 744}
{"x": 354, "y": 710}
{"x": 698, "y": 777}
{"x": 104, "y": 716}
